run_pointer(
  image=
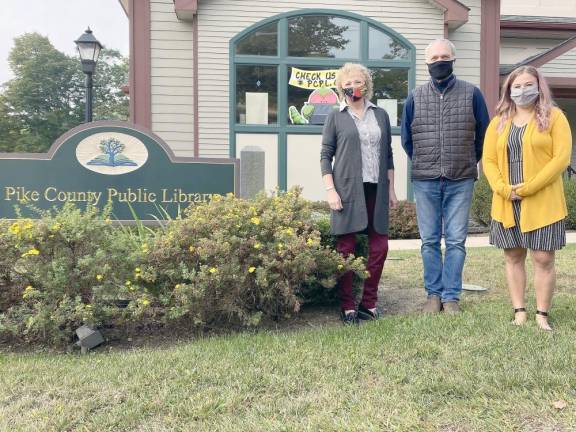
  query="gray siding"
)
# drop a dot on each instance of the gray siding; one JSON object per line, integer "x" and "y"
{"x": 172, "y": 77}
{"x": 563, "y": 66}
{"x": 467, "y": 41}
{"x": 515, "y": 50}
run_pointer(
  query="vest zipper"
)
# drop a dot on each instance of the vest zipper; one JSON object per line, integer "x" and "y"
{"x": 442, "y": 134}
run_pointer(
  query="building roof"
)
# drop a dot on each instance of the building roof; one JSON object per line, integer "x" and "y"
{"x": 542, "y": 58}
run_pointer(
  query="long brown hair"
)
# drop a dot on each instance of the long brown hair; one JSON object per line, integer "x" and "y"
{"x": 506, "y": 106}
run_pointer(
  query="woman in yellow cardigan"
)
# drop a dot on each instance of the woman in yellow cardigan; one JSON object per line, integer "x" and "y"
{"x": 526, "y": 149}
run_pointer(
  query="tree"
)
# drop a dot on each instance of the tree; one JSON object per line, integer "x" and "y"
{"x": 315, "y": 36}
{"x": 46, "y": 96}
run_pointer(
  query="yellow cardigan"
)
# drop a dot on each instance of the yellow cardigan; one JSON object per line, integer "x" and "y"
{"x": 545, "y": 156}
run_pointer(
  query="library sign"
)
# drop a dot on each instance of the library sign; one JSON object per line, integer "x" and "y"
{"x": 113, "y": 162}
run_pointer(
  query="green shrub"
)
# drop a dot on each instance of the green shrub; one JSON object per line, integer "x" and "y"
{"x": 481, "y": 202}
{"x": 228, "y": 262}
{"x": 403, "y": 223}
{"x": 68, "y": 268}
{"x": 570, "y": 193}
{"x": 234, "y": 262}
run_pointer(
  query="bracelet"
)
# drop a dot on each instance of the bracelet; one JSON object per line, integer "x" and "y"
{"x": 330, "y": 188}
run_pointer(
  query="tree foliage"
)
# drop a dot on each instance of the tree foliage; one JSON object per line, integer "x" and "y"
{"x": 46, "y": 96}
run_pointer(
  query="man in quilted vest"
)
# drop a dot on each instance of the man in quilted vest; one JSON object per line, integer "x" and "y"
{"x": 443, "y": 129}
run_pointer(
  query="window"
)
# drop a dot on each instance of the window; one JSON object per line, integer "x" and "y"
{"x": 256, "y": 94}
{"x": 323, "y": 36}
{"x": 282, "y": 71}
{"x": 390, "y": 90}
{"x": 263, "y": 42}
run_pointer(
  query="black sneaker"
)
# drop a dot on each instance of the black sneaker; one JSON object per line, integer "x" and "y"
{"x": 367, "y": 315}
{"x": 348, "y": 318}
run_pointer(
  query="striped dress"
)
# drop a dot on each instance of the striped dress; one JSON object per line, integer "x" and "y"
{"x": 548, "y": 238}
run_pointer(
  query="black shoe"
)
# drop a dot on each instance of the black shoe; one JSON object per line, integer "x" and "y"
{"x": 348, "y": 318}
{"x": 366, "y": 314}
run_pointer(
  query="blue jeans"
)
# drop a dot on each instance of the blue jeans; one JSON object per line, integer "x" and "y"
{"x": 443, "y": 203}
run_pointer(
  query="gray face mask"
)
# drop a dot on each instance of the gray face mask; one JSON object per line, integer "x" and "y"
{"x": 524, "y": 97}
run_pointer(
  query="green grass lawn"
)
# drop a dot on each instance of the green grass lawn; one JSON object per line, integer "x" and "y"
{"x": 472, "y": 372}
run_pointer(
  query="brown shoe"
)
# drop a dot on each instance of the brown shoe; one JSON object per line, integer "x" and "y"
{"x": 432, "y": 305}
{"x": 451, "y": 307}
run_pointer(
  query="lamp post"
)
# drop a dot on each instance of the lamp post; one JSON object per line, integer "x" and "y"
{"x": 89, "y": 50}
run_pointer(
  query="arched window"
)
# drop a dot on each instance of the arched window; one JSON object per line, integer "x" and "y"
{"x": 282, "y": 69}
{"x": 282, "y": 74}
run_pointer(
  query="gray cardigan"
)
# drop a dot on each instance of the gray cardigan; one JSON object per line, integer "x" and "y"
{"x": 341, "y": 143}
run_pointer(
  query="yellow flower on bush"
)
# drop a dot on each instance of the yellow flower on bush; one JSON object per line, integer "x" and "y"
{"x": 31, "y": 252}
{"x": 340, "y": 266}
{"x": 257, "y": 246}
{"x": 14, "y": 228}
{"x": 289, "y": 231}
{"x": 178, "y": 286}
{"x": 251, "y": 269}
{"x": 255, "y": 220}
{"x": 280, "y": 245}
{"x": 216, "y": 197}
{"x": 128, "y": 283}
{"x": 310, "y": 242}
{"x": 88, "y": 306}
{"x": 145, "y": 247}
{"x": 145, "y": 302}
{"x": 213, "y": 270}
{"x": 191, "y": 248}
{"x": 108, "y": 221}
{"x": 99, "y": 277}
{"x": 28, "y": 291}
{"x": 56, "y": 227}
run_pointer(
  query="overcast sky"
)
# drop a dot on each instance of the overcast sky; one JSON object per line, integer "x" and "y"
{"x": 63, "y": 21}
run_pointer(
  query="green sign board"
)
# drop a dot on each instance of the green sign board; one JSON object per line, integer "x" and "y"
{"x": 113, "y": 162}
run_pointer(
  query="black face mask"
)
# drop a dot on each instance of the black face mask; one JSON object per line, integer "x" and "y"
{"x": 441, "y": 69}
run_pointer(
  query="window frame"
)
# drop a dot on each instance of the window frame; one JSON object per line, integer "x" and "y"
{"x": 283, "y": 127}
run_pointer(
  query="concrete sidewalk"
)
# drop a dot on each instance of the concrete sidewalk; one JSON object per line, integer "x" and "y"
{"x": 471, "y": 241}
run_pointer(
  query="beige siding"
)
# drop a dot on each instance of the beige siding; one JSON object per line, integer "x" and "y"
{"x": 467, "y": 41}
{"x": 515, "y": 50}
{"x": 221, "y": 20}
{"x": 548, "y": 8}
{"x": 172, "y": 77}
{"x": 563, "y": 66}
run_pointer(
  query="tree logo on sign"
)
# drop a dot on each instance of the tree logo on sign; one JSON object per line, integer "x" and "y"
{"x": 112, "y": 156}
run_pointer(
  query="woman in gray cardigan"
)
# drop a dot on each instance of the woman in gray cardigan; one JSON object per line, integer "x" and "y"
{"x": 359, "y": 182}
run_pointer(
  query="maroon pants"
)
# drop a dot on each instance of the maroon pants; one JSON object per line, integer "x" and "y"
{"x": 378, "y": 250}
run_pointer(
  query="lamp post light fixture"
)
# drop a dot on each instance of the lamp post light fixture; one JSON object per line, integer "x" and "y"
{"x": 89, "y": 50}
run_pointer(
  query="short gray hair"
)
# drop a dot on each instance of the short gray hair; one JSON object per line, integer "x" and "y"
{"x": 444, "y": 41}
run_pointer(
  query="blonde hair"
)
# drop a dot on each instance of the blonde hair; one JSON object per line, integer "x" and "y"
{"x": 506, "y": 107}
{"x": 349, "y": 68}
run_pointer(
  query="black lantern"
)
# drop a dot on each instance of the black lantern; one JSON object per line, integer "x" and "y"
{"x": 89, "y": 50}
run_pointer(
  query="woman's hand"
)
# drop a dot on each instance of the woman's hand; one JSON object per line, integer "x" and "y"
{"x": 334, "y": 200}
{"x": 514, "y": 196}
{"x": 393, "y": 201}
